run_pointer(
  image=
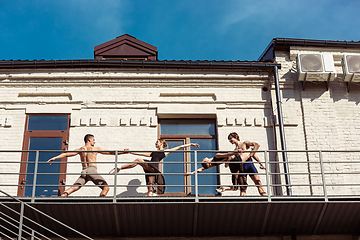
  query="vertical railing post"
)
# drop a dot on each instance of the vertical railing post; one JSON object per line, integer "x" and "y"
{"x": 196, "y": 178}
{"x": 267, "y": 165}
{"x": 115, "y": 176}
{"x": 21, "y": 220}
{"x": 35, "y": 177}
{"x": 323, "y": 175}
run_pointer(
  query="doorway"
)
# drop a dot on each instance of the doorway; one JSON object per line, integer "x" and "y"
{"x": 182, "y": 131}
{"x": 47, "y": 133}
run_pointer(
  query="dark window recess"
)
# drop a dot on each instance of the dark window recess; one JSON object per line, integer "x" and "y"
{"x": 48, "y": 123}
{"x": 194, "y": 127}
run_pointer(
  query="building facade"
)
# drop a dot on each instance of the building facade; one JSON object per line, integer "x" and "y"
{"x": 320, "y": 102}
{"x": 128, "y": 99}
{"x": 299, "y": 101}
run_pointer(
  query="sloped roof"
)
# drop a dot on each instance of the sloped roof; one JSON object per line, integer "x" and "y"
{"x": 125, "y": 46}
{"x": 285, "y": 43}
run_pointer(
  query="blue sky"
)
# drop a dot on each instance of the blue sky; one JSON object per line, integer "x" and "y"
{"x": 181, "y": 29}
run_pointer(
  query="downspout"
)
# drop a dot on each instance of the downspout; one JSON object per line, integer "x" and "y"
{"x": 282, "y": 132}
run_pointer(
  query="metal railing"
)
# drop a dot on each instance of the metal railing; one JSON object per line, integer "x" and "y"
{"x": 24, "y": 230}
{"x": 313, "y": 174}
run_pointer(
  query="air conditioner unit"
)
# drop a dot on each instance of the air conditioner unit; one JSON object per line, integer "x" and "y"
{"x": 316, "y": 67}
{"x": 351, "y": 68}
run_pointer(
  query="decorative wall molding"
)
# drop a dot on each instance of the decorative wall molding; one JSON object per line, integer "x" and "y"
{"x": 6, "y": 122}
{"x": 32, "y": 94}
{"x": 193, "y": 94}
{"x": 152, "y": 121}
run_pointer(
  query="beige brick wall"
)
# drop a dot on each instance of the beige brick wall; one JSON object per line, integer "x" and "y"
{"x": 327, "y": 120}
{"x": 11, "y": 139}
{"x": 121, "y": 108}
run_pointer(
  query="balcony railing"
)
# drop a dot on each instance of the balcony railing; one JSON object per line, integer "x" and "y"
{"x": 25, "y": 225}
{"x": 320, "y": 174}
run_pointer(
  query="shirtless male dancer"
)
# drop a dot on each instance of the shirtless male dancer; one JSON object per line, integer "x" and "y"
{"x": 88, "y": 161}
{"x": 248, "y": 166}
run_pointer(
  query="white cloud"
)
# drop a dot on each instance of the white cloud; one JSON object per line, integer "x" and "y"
{"x": 248, "y": 12}
{"x": 99, "y": 17}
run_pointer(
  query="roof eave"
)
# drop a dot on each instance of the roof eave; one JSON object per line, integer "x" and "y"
{"x": 252, "y": 66}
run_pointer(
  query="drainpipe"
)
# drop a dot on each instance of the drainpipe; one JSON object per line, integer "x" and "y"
{"x": 282, "y": 132}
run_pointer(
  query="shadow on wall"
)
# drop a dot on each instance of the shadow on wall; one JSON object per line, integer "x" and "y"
{"x": 265, "y": 93}
{"x": 131, "y": 191}
{"x": 313, "y": 90}
{"x": 340, "y": 91}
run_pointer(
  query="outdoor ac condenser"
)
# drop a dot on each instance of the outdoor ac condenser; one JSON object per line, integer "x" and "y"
{"x": 316, "y": 67}
{"x": 351, "y": 68}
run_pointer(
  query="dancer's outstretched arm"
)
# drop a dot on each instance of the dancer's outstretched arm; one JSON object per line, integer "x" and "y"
{"x": 259, "y": 161}
{"x": 228, "y": 154}
{"x": 255, "y": 146}
{"x": 63, "y": 155}
{"x": 193, "y": 172}
{"x": 180, "y": 147}
{"x": 107, "y": 152}
{"x": 145, "y": 154}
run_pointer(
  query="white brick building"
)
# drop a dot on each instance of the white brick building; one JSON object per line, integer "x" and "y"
{"x": 125, "y": 95}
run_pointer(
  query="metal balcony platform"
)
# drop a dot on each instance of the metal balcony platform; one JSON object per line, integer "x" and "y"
{"x": 210, "y": 216}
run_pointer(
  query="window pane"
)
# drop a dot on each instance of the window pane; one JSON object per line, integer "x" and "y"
{"x": 203, "y": 178}
{"x": 39, "y": 143}
{"x": 187, "y": 128}
{"x": 177, "y": 166}
{"x": 48, "y": 123}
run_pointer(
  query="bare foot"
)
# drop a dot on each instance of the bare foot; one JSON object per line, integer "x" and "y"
{"x": 64, "y": 194}
{"x": 220, "y": 190}
{"x": 104, "y": 192}
{"x": 113, "y": 170}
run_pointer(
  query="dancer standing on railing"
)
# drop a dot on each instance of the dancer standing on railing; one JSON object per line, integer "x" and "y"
{"x": 88, "y": 161}
{"x": 152, "y": 166}
{"x": 247, "y": 165}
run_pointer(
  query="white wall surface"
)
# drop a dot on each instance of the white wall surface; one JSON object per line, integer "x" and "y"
{"x": 122, "y": 108}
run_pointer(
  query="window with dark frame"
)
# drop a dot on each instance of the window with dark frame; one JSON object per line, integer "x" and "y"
{"x": 48, "y": 133}
{"x": 182, "y": 131}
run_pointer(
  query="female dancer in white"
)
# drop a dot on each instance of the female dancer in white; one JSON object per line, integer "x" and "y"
{"x": 152, "y": 166}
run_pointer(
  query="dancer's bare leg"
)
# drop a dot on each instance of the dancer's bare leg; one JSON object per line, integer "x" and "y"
{"x": 70, "y": 190}
{"x": 104, "y": 191}
{"x": 133, "y": 164}
{"x": 223, "y": 189}
{"x": 243, "y": 181}
{"x": 145, "y": 166}
{"x": 150, "y": 186}
{"x": 257, "y": 181}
